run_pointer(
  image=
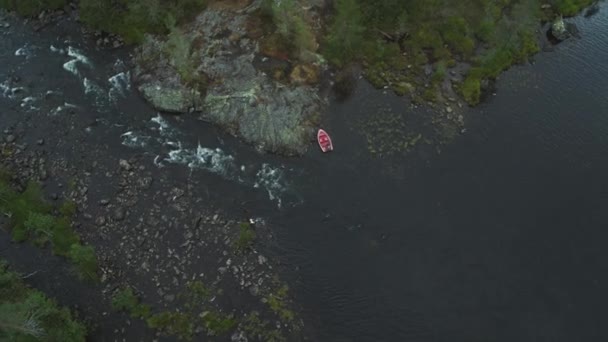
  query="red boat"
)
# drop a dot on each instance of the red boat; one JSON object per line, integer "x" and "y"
{"x": 324, "y": 141}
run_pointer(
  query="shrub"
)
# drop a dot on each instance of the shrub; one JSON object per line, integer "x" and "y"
{"x": 27, "y": 315}
{"x": 31, "y": 8}
{"x": 471, "y": 90}
{"x": 85, "y": 260}
{"x": 345, "y": 37}
{"x": 125, "y": 300}
{"x": 173, "y": 323}
{"x": 246, "y": 237}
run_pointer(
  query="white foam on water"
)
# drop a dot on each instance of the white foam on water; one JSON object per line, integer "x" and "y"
{"x": 272, "y": 180}
{"x": 10, "y": 92}
{"x": 268, "y": 178}
{"x": 120, "y": 84}
{"x": 92, "y": 89}
{"x": 28, "y": 103}
{"x": 132, "y": 139}
{"x": 163, "y": 126}
{"x": 5, "y": 89}
{"x": 57, "y": 50}
{"x": 213, "y": 160}
{"x": 78, "y": 58}
{"x": 25, "y": 51}
{"x": 61, "y": 108}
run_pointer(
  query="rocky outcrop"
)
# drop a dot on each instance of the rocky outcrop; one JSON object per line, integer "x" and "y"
{"x": 273, "y": 116}
{"x": 560, "y": 30}
{"x": 176, "y": 99}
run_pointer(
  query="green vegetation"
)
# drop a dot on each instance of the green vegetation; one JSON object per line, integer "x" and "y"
{"x": 182, "y": 324}
{"x": 31, "y": 218}
{"x": 199, "y": 313}
{"x": 260, "y": 329}
{"x": 291, "y": 24}
{"x": 31, "y": 8}
{"x": 397, "y": 40}
{"x": 28, "y": 315}
{"x": 132, "y": 19}
{"x": 277, "y": 303}
{"x": 126, "y": 300}
{"x": 246, "y": 237}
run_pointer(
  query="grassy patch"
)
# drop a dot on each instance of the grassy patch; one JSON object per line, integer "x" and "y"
{"x": 246, "y": 237}
{"x": 33, "y": 219}
{"x": 197, "y": 313}
{"x": 126, "y": 300}
{"x": 388, "y": 35}
{"x": 30, "y": 8}
{"x": 28, "y": 315}
{"x": 277, "y": 302}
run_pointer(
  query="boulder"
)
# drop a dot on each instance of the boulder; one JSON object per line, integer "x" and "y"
{"x": 170, "y": 98}
{"x": 559, "y": 30}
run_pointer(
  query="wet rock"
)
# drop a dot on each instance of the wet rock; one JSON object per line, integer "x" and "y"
{"x": 100, "y": 221}
{"x": 119, "y": 214}
{"x": 125, "y": 165}
{"x": 173, "y": 98}
{"x": 254, "y": 290}
{"x": 560, "y": 30}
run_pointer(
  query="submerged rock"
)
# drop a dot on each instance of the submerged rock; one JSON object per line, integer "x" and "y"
{"x": 245, "y": 101}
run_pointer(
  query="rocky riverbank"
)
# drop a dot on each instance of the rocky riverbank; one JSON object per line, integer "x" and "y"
{"x": 152, "y": 232}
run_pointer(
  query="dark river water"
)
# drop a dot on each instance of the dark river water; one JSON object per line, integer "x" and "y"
{"x": 500, "y": 237}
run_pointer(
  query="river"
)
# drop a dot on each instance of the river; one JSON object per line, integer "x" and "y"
{"x": 500, "y": 237}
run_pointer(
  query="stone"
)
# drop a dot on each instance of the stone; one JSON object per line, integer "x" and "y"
{"x": 125, "y": 165}
{"x": 100, "y": 221}
{"x": 169, "y": 298}
{"x": 254, "y": 290}
{"x": 171, "y": 99}
{"x": 559, "y": 29}
{"x": 10, "y": 138}
{"x": 449, "y": 109}
{"x": 119, "y": 214}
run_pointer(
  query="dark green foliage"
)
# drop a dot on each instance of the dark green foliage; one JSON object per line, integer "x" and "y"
{"x": 173, "y": 323}
{"x": 27, "y": 315}
{"x": 31, "y": 218}
{"x": 277, "y": 303}
{"x": 133, "y": 18}
{"x": 31, "y": 8}
{"x": 125, "y": 300}
{"x": 218, "y": 324}
{"x": 261, "y": 330}
{"x": 345, "y": 33}
{"x": 246, "y": 237}
{"x": 386, "y": 35}
{"x": 85, "y": 260}
{"x": 290, "y": 23}
{"x": 570, "y": 7}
